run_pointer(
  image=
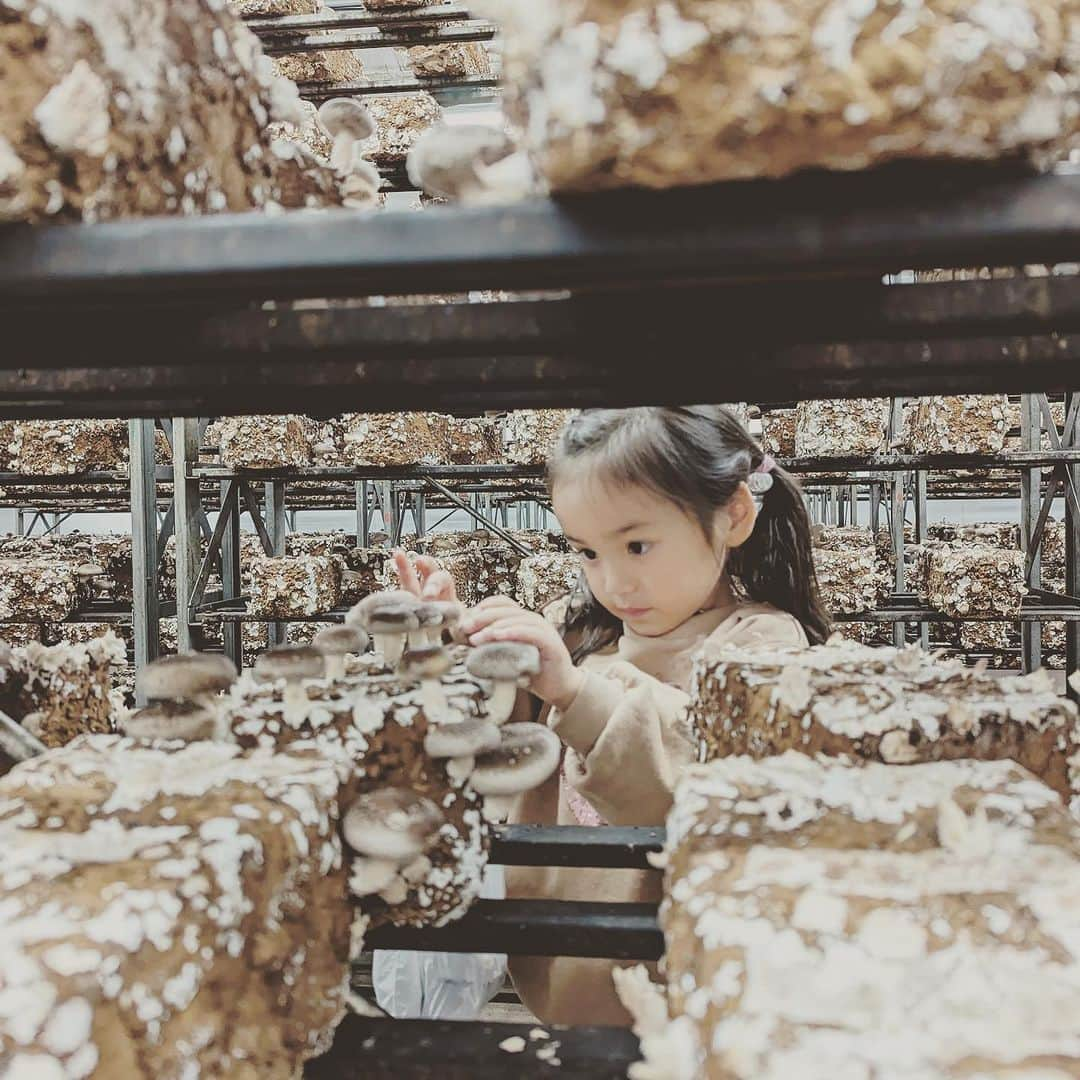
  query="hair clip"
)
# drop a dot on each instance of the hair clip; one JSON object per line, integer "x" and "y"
{"x": 759, "y": 482}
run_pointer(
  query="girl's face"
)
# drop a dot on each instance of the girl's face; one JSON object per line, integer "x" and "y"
{"x": 646, "y": 561}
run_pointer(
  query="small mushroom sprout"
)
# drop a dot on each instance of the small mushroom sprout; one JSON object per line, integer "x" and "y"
{"x": 506, "y": 666}
{"x": 389, "y": 618}
{"x": 293, "y": 664}
{"x": 349, "y": 123}
{"x": 192, "y": 677}
{"x": 526, "y": 756}
{"x": 187, "y": 721}
{"x": 337, "y": 642}
{"x": 388, "y": 828}
{"x": 428, "y": 664}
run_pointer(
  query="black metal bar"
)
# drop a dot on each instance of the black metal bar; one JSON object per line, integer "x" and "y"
{"x": 271, "y": 26}
{"x": 481, "y": 519}
{"x": 572, "y": 845}
{"x": 883, "y": 220}
{"x": 378, "y": 1049}
{"x": 419, "y": 473}
{"x": 372, "y": 37}
{"x": 538, "y": 928}
{"x": 313, "y": 91}
{"x": 252, "y": 505}
{"x": 230, "y": 506}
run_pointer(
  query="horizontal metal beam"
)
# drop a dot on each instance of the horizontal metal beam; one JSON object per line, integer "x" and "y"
{"x": 1034, "y": 608}
{"x": 1013, "y": 459}
{"x": 313, "y": 91}
{"x": 344, "y": 19}
{"x": 573, "y": 845}
{"x": 537, "y": 928}
{"x": 373, "y": 37}
{"x": 874, "y": 222}
{"x": 246, "y": 383}
{"x": 384, "y": 1049}
{"x": 374, "y": 472}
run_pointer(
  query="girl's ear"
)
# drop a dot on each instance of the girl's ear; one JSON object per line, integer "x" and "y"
{"x": 739, "y": 515}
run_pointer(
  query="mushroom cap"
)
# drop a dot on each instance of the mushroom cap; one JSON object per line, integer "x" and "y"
{"x": 289, "y": 662}
{"x": 527, "y": 754}
{"x": 448, "y": 154}
{"x": 450, "y": 610}
{"x": 392, "y": 823}
{"x": 340, "y": 640}
{"x": 186, "y": 675}
{"x": 346, "y": 115}
{"x": 429, "y": 613}
{"x": 185, "y": 720}
{"x": 89, "y": 569}
{"x": 426, "y": 662}
{"x": 503, "y": 661}
{"x": 464, "y": 738}
{"x": 386, "y": 613}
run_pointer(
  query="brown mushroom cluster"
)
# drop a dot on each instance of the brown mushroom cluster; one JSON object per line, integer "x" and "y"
{"x": 418, "y": 726}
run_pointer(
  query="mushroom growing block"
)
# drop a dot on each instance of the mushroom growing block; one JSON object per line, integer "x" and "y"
{"x": 456, "y": 60}
{"x": 529, "y": 435}
{"x": 968, "y": 424}
{"x": 60, "y": 691}
{"x": 825, "y": 919}
{"x": 778, "y": 432}
{"x": 841, "y": 428}
{"x": 143, "y": 107}
{"x": 68, "y": 447}
{"x": 899, "y": 706}
{"x": 262, "y": 442}
{"x": 148, "y": 894}
{"x": 293, "y": 586}
{"x": 474, "y": 440}
{"x": 850, "y": 574}
{"x": 973, "y": 579}
{"x": 694, "y": 91}
{"x": 378, "y": 724}
{"x": 36, "y": 590}
{"x": 319, "y": 66}
{"x": 400, "y": 119}
{"x": 396, "y": 438}
{"x": 544, "y": 578}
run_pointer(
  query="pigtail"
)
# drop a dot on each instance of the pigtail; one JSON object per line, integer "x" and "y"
{"x": 776, "y": 564}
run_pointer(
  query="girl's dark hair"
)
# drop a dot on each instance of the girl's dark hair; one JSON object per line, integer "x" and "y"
{"x": 696, "y": 457}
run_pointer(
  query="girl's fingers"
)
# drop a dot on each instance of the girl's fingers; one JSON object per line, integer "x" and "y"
{"x": 405, "y": 572}
{"x": 426, "y": 566}
{"x": 529, "y": 631}
{"x": 499, "y": 600}
{"x": 439, "y": 585}
{"x": 479, "y": 617}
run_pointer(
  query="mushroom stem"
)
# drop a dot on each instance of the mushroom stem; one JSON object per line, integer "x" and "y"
{"x": 370, "y": 876}
{"x": 418, "y": 638}
{"x": 433, "y": 698}
{"x": 500, "y": 705}
{"x": 335, "y": 667}
{"x": 215, "y": 705}
{"x": 392, "y": 647}
{"x": 294, "y": 703}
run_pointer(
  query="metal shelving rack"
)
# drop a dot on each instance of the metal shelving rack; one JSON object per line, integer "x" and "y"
{"x": 696, "y": 277}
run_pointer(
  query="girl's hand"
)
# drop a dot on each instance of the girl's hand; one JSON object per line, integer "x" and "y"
{"x": 425, "y": 579}
{"x": 501, "y": 619}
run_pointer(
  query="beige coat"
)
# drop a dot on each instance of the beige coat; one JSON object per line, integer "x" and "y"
{"x": 628, "y": 736}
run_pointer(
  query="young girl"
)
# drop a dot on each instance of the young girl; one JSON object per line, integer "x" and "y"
{"x": 676, "y": 549}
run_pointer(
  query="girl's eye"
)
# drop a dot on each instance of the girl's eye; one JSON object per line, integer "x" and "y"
{"x": 587, "y": 553}
{"x": 638, "y": 547}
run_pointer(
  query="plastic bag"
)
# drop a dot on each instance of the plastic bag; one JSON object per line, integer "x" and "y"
{"x": 438, "y": 985}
